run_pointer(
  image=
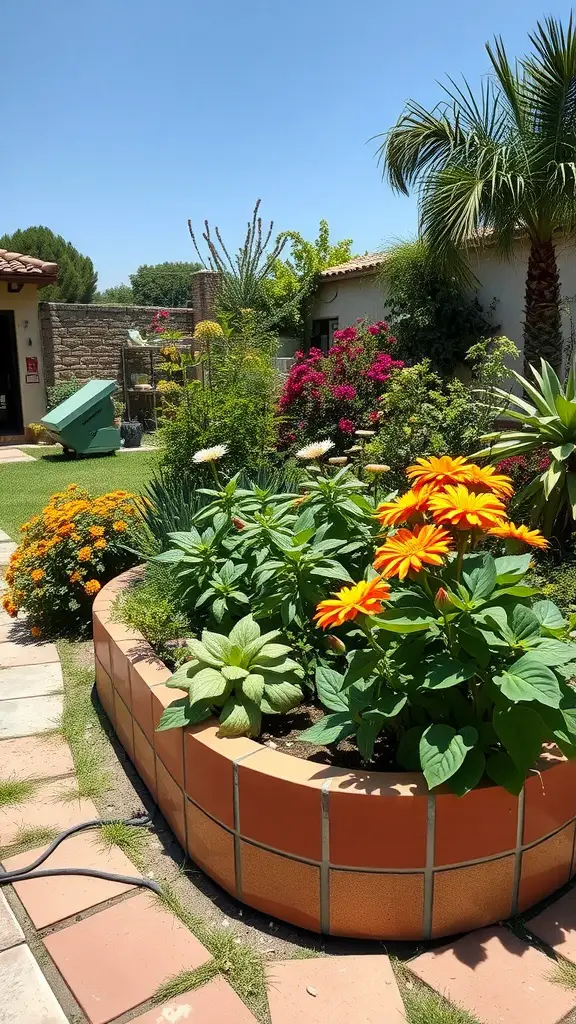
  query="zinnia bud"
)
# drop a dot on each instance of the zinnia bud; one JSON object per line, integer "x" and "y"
{"x": 376, "y": 467}
{"x": 336, "y": 644}
{"x": 442, "y": 600}
{"x": 238, "y": 523}
{"x": 338, "y": 460}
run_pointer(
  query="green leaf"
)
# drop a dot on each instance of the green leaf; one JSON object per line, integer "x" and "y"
{"x": 563, "y": 451}
{"x": 330, "y": 729}
{"x": 329, "y": 686}
{"x": 408, "y": 753}
{"x": 235, "y": 719}
{"x": 366, "y": 735}
{"x": 501, "y": 769}
{"x": 552, "y": 476}
{"x": 511, "y": 568}
{"x": 549, "y": 616}
{"x": 404, "y": 620}
{"x": 523, "y": 624}
{"x": 529, "y": 679}
{"x": 566, "y": 411}
{"x": 475, "y": 643}
{"x": 571, "y": 488}
{"x": 553, "y": 652}
{"x": 389, "y": 704}
{"x": 271, "y": 653}
{"x": 217, "y": 645}
{"x": 469, "y": 774}
{"x": 233, "y": 672}
{"x": 281, "y": 697}
{"x": 360, "y": 695}
{"x": 445, "y": 672}
{"x": 442, "y": 751}
{"x": 520, "y": 731}
{"x": 253, "y": 687}
{"x": 481, "y": 582}
{"x": 244, "y": 632}
{"x": 362, "y": 665}
{"x": 208, "y": 684}
{"x": 201, "y": 652}
{"x": 181, "y": 713}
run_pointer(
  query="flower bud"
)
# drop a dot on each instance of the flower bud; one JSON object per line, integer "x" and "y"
{"x": 336, "y": 644}
{"x": 338, "y": 460}
{"x": 376, "y": 467}
{"x": 442, "y": 600}
{"x": 238, "y": 523}
{"x": 365, "y": 433}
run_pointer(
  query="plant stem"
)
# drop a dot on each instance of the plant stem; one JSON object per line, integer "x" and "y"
{"x": 462, "y": 545}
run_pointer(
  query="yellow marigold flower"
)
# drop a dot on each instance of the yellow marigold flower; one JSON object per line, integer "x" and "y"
{"x": 92, "y": 587}
{"x": 120, "y": 526}
{"x": 438, "y": 471}
{"x": 100, "y": 545}
{"x": 66, "y": 529}
{"x": 364, "y": 598}
{"x": 9, "y": 577}
{"x": 76, "y": 537}
{"x": 96, "y": 531}
{"x": 208, "y": 330}
{"x": 37, "y": 575}
{"x": 85, "y": 554}
{"x": 35, "y": 631}
{"x": 458, "y": 507}
{"x": 75, "y": 577}
{"x": 408, "y": 551}
{"x": 509, "y": 531}
{"x": 485, "y": 478}
{"x": 407, "y": 507}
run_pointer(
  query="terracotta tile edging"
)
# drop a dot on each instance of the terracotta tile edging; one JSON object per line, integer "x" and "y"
{"x": 339, "y": 852}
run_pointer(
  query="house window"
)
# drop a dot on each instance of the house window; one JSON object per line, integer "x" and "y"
{"x": 323, "y": 333}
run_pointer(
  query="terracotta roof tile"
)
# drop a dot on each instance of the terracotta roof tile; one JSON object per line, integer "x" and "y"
{"x": 371, "y": 261}
{"x": 15, "y": 266}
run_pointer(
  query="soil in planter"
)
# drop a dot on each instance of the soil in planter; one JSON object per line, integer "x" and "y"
{"x": 282, "y": 732}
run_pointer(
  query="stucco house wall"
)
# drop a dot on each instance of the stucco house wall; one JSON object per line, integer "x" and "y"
{"x": 25, "y": 306}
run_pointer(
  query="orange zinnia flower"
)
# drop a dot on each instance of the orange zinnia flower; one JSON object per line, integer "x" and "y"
{"x": 509, "y": 531}
{"x": 405, "y": 507}
{"x": 359, "y": 599}
{"x": 438, "y": 471}
{"x": 465, "y": 510}
{"x": 409, "y": 551}
{"x": 485, "y": 478}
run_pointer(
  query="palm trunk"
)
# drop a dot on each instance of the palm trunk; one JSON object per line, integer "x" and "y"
{"x": 542, "y": 324}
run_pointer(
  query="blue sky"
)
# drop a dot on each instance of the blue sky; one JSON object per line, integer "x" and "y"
{"x": 122, "y": 118}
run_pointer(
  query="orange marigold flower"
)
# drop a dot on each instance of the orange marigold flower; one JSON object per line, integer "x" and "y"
{"x": 96, "y": 531}
{"x": 100, "y": 544}
{"x": 509, "y": 531}
{"x": 485, "y": 478}
{"x": 92, "y": 587}
{"x": 75, "y": 577}
{"x": 120, "y": 526}
{"x": 9, "y": 606}
{"x": 37, "y": 575}
{"x": 404, "y": 508}
{"x": 438, "y": 471}
{"x": 85, "y": 554}
{"x": 408, "y": 551}
{"x": 66, "y": 529}
{"x": 364, "y": 598}
{"x": 458, "y": 507}
{"x": 35, "y": 631}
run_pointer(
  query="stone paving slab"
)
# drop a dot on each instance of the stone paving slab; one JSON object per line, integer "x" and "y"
{"x": 25, "y": 995}
{"x": 35, "y": 757}
{"x": 556, "y": 926}
{"x": 116, "y": 959}
{"x": 15, "y": 654}
{"x": 30, "y": 715}
{"x": 493, "y": 974}
{"x": 30, "y": 680}
{"x": 11, "y": 933}
{"x": 46, "y": 808}
{"x": 334, "y": 990}
{"x": 9, "y": 454}
{"x": 48, "y": 900}
{"x": 4, "y": 536}
{"x": 214, "y": 1003}
{"x": 7, "y": 548}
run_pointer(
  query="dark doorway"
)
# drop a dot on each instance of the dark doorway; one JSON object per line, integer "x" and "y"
{"x": 10, "y": 399}
{"x": 323, "y": 333}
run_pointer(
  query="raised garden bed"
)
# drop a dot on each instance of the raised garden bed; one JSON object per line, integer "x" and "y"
{"x": 355, "y": 853}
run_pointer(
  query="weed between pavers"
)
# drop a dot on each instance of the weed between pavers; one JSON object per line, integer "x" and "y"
{"x": 28, "y": 839}
{"x": 14, "y": 791}
{"x": 422, "y": 1005}
{"x": 81, "y": 727}
{"x": 131, "y": 839}
{"x": 563, "y": 972}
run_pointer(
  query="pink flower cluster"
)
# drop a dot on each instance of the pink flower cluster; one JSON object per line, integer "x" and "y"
{"x": 158, "y": 323}
{"x": 344, "y": 392}
{"x": 382, "y": 367}
{"x": 304, "y": 379}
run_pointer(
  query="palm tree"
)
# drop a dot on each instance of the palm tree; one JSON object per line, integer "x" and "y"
{"x": 503, "y": 162}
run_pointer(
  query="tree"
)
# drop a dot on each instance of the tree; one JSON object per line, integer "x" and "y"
{"x": 117, "y": 295}
{"x": 503, "y": 162}
{"x": 163, "y": 284}
{"x": 77, "y": 278}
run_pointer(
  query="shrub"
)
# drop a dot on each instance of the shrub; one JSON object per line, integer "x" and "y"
{"x": 151, "y": 607}
{"x": 67, "y": 553}
{"x": 64, "y": 389}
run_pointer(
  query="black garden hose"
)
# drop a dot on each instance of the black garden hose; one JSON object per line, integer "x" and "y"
{"x": 22, "y": 874}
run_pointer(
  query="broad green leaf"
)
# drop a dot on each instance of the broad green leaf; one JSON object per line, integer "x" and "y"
{"x": 180, "y": 680}
{"x": 181, "y": 713}
{"x": 217, "y": 645}
{"x": 360, "y": 695}
{"x": 208, "y": 684}
{"x": 330, "y": 729}
{"x": 501, "y": 769}
{"x": 408, "y": 753}
{"x": 469, "y": 774}
{"x": 404, "y": 620}
{"x": 329, "y": 686}
{"x": 362, "y": 665}
{"x": 281, "y": 697}
{"x": 253, "y": 687}
{"x": 244, "y": 632}
{"x": 549, "y": 616}
{"x": 366, "y": 735}
{"x": 528, "y": 679}
{"x": 553, "y": 652}
{"x": 563, "y": 451}
{"x": 523, "y": 624}
{"x": 442, "y": 751}
{"x": 257, "y": 645}
{"x": 520, "y": 731}
{"x": 233, "y": 672}
{"x": 566, "y": 411}
{"x": 552, "y": 477}
{"x": 235, "y": 719}
{"x": 203, "y": 654}
{"x": 445, "y": 672}
{"x": 271, "y": 652}
{"x": 474, "y": 643}
{"x": 481, "y": 582}
{"x": 389, "y": 705}
{"x": 511, "y": 568}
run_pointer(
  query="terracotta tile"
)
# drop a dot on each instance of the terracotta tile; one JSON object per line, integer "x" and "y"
{"x": 48, "y": 900}
{"x": 347, "y": 989}
{"x": 277, "y": 885}
{"x": 168, "y": 745}
{"x": 116, "y": 959}
{"x": 105, "y": 691}
{"x": 546, "y": 867}
{"x": 472, "y": 897}
{"x": 214, "y": 1003}
{"x": 101, "y": 643}
{"x": 209, "y": 771}
{"x": 119, "y": 632}
{"x": 280, "y": 802}
{"x": 556, "y": 925}
{"x": 378, "y": 821}
{"x": 124, "y": 726}
{"x": 151, "y": 669}
{"x": 171, "y": 802}
{"x": 211, "y": 847}
{"x": 550, "y": 798}
{"x": 367, "y": 905}
{"x": 47, "y": 807}
{"x": 145, "y": 761}
{"x": 496, "y": 976}
{"x": 120, "y": 671}
{"x": 141, "y": 703}
{"x": 477, "y": 825}
{"x": 35, "y": 757}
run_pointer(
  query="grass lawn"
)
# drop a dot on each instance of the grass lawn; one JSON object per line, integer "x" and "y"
{"x": 26, "y": 486}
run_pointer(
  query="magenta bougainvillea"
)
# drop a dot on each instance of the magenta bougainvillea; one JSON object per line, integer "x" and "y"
{"x": 338, "y": 392}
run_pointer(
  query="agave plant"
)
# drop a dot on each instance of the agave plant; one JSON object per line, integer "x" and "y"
{"x": 546, "y": 413}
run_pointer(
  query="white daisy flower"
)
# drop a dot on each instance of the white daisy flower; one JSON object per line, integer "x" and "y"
{"x": 315, "y": 450}
{"x": 210, "y": 454}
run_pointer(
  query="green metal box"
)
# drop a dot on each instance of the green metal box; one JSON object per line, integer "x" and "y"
{"x": 84, "y": 423}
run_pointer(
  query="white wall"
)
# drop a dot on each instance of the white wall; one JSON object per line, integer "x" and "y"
{"x": 348, "y": 299}
{"x": 25, "y": 306}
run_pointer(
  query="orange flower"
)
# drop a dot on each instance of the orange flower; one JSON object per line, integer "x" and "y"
{"x": 404, "y": 508}
{"x": 96, "y": 531}
{"x": 92, "y": 587}
{"x": 9, "y": 606}
{"x": 35, "y": 631}
{"x": 75, "y": 577}
{"x": 408, "y": 551}
{"x": 120, "y": 526}
{"x": 85, "y": 554}
{"x": 485, "y": 478}
{"x": 509, "y": 531}
{"x": 359, "y": 599}
{"x": 438, "y": 471}
{"x": 100, "y": 544}
{"x": 66, "y": 529}
{"x": 37, "y": 575}
{"x": 460, "y": 508}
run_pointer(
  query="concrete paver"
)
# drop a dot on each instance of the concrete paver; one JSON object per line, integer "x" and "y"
{"x": 35, "y": 757}
{"x": 12, "y": 654}
{"x": 11, "y": 933}
{"x": 214, "y": 1003}
{"x": 50, "y": 806}
{"x": 334, "y": 990}
{"x": 7, "y": 548}
{"x": 30, "y": 680}
{"x": 556, "y": 925}
{"x": 25, "y": 995}
{"x": 28, "y": 715}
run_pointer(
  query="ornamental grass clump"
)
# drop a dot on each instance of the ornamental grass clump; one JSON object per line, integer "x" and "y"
{"x": 67, "y": 553}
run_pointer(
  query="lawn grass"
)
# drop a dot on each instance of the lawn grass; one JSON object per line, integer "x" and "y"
{"x": 27, "y": 486}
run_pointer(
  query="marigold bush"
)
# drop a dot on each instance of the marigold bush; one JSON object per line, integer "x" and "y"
{"x": 67, "y": 553}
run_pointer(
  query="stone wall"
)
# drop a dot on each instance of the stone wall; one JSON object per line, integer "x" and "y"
{"x": 85, "y": 341}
